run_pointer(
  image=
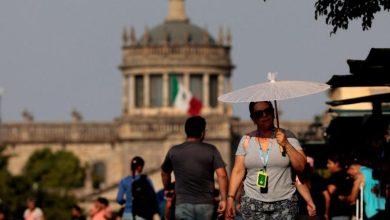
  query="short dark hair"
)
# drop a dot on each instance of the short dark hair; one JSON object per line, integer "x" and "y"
{"x": 337, "y": 158}
{"x": 103, "y": 201}
{"x": 77, "y": 207}
{"x": 136, "y": 162}
{"x": 195, "y": 126}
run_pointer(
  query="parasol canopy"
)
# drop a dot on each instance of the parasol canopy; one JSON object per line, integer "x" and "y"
{"x": 273, "y": 91}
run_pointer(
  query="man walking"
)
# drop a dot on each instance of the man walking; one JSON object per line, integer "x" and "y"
{"x": 194, "y": 163}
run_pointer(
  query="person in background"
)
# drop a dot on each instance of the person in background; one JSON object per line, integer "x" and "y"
{"x": 33, "y": 212}
{"x": 315, "y": 186}
{"x": 100, "y": 210}
{"x": 194, "y": 163}
{"x": 77, "y": 213}
{"x": 125, "y": 190}
{"x": 374, "y": 203}
{"x": 267, "y": 157}
{"x": 339, "y": 184}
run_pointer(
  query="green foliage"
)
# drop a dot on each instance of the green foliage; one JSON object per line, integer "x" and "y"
{"x": 46, "y": 176}
{"x": 55, "y": 171}
{"x": 57, "y": 207}
{"x": 339, "y": 13}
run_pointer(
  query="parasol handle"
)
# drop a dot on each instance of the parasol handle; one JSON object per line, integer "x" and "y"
{"x": 281, "y": 148}
{"x": 276, "y": 114}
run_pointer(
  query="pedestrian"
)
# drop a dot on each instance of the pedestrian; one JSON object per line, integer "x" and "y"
{"x": 77, "y": 213}
{"x": 339, "y": 184}
{"x": 136, "y": 193}
{"x": 33, "y": 212}
{"x": 374, "y": 202}
{"x": 267, "y": 157}
{"x": 194, "y": 163}
{"x": 315, "y": 186}
{"x": 100, "y": 210}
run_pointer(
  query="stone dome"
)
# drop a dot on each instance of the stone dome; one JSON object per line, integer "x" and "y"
{"x": 177, "y": 33}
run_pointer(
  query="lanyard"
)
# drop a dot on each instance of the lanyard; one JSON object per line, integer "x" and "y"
{"x": 264, "y": 158}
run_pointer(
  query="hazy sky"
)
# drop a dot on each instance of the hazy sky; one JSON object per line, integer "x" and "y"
{"x": 59, "y": 55}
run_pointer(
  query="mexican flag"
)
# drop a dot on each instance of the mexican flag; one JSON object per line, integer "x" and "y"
{"x": 183, "y": 98}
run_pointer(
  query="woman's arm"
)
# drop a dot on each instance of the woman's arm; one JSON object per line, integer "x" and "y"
{"x": 304, "y": 191}
{"x": 297, "y": 157}
{"x": 119, "y": 196}
{"x": 236, "y": 178}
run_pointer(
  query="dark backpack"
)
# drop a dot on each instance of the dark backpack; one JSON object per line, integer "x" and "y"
{"x": 144, "y": 198}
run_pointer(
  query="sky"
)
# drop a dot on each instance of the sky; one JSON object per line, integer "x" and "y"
{"x": 56, "y": 55}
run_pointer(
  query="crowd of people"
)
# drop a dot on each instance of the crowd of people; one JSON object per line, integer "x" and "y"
{"x": 271, "y": 178}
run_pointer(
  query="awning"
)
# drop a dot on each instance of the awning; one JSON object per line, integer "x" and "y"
{"x": 373, "y": 71}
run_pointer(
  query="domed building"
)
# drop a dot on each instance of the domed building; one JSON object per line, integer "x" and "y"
{"x": 174, "y": 51}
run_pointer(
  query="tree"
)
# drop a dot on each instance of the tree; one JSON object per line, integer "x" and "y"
{"x": 60, "y": 171}
{"x": 52, "y": 176}
{"x": 13, "y": 190}
{"x": 339, "y": 13}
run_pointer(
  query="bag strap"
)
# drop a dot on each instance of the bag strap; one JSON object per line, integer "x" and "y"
{"x": 246, "y": 142}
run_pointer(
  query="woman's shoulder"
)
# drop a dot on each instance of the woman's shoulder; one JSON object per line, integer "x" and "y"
{"x": 250, "y": 134}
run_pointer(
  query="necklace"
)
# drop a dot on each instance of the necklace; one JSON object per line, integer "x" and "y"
{"x": 264, "y": 158}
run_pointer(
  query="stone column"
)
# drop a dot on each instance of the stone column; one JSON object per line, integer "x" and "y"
{"x": 146, "y": 90}
{"x": 206, "y": 90}
{"x": 125, "y": 95}
{"x": 220, "y": 87}
{"x": 132, "y": 93}
{"x": 186, "y": 80}
{"x": 165, "y": 95}
{"x": 229, "y": 109}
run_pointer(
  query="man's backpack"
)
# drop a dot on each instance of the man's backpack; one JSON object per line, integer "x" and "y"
{"x": 144, "y": 198}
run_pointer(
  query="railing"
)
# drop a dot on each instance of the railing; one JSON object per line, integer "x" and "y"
{"x": 161, "y": 128}
{"x": 12, "y": 133}
{"x": 211, "y": 51}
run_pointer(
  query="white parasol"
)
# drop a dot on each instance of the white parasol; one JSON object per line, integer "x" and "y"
{"x": 273, "y": 91}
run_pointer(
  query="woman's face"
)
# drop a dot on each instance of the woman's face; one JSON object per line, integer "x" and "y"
{"x": 263, "y": 115}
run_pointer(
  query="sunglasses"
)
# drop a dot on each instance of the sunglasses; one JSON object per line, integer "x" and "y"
{"x": 260, "y": 113}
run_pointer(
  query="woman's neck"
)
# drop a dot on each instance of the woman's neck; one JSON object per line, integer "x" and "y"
{"x": 264, "y": 132}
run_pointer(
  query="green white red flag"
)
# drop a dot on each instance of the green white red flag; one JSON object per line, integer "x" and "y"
{"x": 183, "y": 98}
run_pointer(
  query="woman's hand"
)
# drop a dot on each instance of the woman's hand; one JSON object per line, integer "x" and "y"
{"x": 281, "y": 137}
{"x": 230, "y": 209}
{"x": 311, "y": 209}
{"x": 221, "y": 208}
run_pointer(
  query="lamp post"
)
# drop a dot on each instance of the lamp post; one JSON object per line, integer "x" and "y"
{"x": 1, "y": 136}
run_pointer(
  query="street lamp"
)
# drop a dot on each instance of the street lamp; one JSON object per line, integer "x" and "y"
{"x": 1, "y": 136}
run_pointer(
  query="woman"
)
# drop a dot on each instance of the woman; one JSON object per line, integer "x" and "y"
{"x": 269, "y": 191}
{"x": 136, "y": 193}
